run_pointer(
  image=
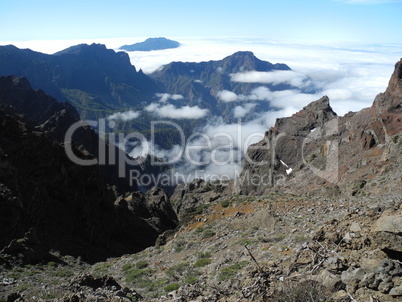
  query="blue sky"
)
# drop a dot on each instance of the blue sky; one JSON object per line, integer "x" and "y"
{"x": 369, "y": 21}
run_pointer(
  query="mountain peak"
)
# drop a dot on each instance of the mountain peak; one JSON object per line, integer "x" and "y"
{"x": 242, "y": 61}
{"x": 149, "y": 44}
{"x": 315, "y": 114}
{"x": 391, "y": 99}
{"x": 82, "y": 48}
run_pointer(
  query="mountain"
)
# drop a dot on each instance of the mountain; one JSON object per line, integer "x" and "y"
{"x": 201, "y": 83}
{"x": 315, "y": 150}
{"x": 151, "y": 44}
{"x": 50, "y": 202}
{"x": 96, "y": 80}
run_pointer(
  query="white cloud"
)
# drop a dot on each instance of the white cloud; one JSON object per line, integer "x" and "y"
{"x": 124, "y": 116}
{"x": 293, "y": 78}
{"x": 164, "y": 97}
{"x": 171, "y": 111}
{"x": 242, "y": 111}
{"x": 226, "y": 96}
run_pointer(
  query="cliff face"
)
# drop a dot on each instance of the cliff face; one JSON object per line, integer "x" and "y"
{"x": 49, "y": 202}
{"x": 316, "y": 151}
{"x": 91, "y": 77}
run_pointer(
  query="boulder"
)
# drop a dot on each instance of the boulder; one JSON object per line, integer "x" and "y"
{"x": 387, "y": 233}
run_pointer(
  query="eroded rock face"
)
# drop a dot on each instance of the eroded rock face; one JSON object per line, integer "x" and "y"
{"x": 315, "y": 151}
{"x": 188, "y": 199}
{"x": 69, "y": 207}
{"x": 282, "y": 152}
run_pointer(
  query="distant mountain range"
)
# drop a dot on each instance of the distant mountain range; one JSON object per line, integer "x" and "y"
{"x": 94, "y": 79}
{"x": 202, "y": 82}
{"x": 100, "y": 82}
{"x": 151, "y": 44}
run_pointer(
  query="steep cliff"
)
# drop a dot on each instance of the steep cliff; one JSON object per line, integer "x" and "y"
{"x": 314, "y": 150}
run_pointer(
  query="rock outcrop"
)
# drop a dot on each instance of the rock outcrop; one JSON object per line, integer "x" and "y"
{"x": 316, "y": 151}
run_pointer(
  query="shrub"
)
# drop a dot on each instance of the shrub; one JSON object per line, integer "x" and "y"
{"x": 204, "y": 255}
{"x": 172, "y": 287}
{"x": 134, "y": 274}
{"x": 191, "y": 280}
{"x": 102, "y": 268}
{"x": 202, "y": 262}
{"x": 307, "y": 291}
{"x": 127, "y": 267}
{"x": 225, "y": 203}
{"x": 199, "y": 230}
{"x": 200, "y": 209}
{"x": 177, "y": 269}
{"x": 300, "y": 239}
{"x": 141, "y": 264}
{"x": 229, "y": 271}
{"x": 64, "y": 272}
{"x": 179, "y": 246}
{"x": 207, "y": 233}
{"x": 51, "y": 264}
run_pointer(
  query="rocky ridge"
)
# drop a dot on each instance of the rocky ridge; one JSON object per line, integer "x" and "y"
{"x": 315, "y": 150}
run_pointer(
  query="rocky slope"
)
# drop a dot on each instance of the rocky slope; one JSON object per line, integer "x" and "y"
{"x": 49, "y": 202}
{"x": 315, "y": 150}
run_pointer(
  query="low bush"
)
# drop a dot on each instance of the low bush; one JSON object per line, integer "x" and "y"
{"x": 307, "y": 291}
{"x": 172, "y": 287}
{"x": 202, "y": 262}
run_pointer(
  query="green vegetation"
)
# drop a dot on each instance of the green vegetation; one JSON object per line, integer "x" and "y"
{"x": 245, "y": 241}
{"x": 14, "y": 275}
{"x": 200, "y": 209}
{"x": 23, "y": 286}
{"x": 277, "y": 238}
{"x": 395, "y": 139}
{"x": 207, "y": 233}
{"x": 204, "y": 255}
{"x": 172, "y": 287}
{"x": 308, "y": 291}
{"x": 63, "y": 272}
{"x": 141, "y": 264}
{"x": 228, "y": 272}
{"x": 202, "y": 262}
{"x": 191, "y": 280}
{"x": 199, "y": 230}
{"x": 127, "y": 267}
{"x": 179, "y": 245}
{"x": 102, "y": 268}
{"x": 51, "y": 264}
{"x": 225, "y": 203}
{"x": 311, "y": 157}
{"x": 300, "y": 239}
{"x": 132, "y": 275}
{"x": 178, "y": 270}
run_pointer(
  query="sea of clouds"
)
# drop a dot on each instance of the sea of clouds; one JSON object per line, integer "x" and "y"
{"x": 351, "y": 75}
